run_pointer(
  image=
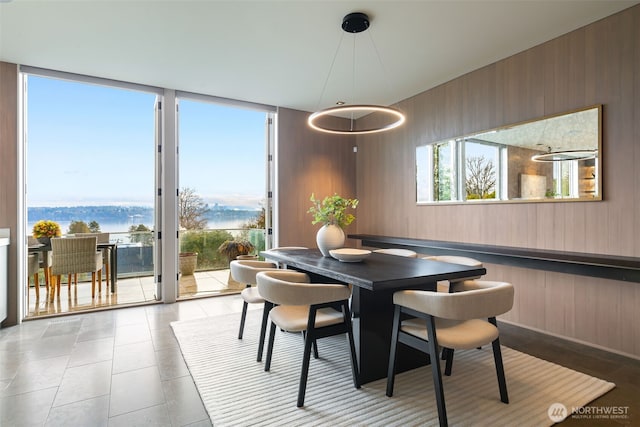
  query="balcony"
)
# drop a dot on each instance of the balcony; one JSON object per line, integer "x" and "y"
{"x": 136, "y": 283}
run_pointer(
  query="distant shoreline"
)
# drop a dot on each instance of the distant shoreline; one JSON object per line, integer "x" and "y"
{"x": 119, "y": 218}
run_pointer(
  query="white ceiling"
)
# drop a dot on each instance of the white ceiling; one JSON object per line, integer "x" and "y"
{"x": 280, "y": 52}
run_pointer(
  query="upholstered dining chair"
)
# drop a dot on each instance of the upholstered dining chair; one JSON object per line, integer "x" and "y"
{"x": 397, "y": 251}
{"x": 310, "y": 308}
{"x": 460, "y": 320}
{"x": 33, "y": 270}
{"x": 75, "y": 255}
{"x": 446, "y": 286}
{"x": 244, "y": 271}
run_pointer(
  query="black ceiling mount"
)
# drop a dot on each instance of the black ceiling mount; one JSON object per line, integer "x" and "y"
{"x": 355, "y": 22}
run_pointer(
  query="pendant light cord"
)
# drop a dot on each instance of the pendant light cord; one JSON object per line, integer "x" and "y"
{"x": 326, "y": 81}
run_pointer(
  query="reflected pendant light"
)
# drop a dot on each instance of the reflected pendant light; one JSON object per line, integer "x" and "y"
{"x": 391, "y": 118}
{"x": 561, "y": 156}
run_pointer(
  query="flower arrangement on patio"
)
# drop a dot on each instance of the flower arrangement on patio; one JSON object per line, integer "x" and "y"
{"x": 45, "y": 229}
{"x": 234, "y": 248}
{"x": 331, "y": 212}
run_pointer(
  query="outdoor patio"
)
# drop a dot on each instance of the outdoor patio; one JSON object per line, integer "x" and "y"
{"x": 130, "y": 291}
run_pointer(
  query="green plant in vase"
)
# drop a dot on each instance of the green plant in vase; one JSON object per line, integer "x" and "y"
{"x": 332, "y": 213}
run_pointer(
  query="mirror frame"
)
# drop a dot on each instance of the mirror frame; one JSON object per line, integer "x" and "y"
{"x": 564, "y": 155}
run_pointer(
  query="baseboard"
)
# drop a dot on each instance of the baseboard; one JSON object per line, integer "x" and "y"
{"x": 573, "y": 340}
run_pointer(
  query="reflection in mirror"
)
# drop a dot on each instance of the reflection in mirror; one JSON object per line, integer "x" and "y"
{"x": 551, "y": 159}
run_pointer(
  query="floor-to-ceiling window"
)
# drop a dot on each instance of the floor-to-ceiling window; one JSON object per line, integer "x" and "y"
{"x": 223, "y": 188}
{"x": 90, "y": 167}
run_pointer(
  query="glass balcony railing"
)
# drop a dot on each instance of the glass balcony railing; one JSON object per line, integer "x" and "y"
{"x": 136, "y": 249}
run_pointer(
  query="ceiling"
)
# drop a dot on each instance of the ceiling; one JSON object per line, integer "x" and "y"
{"x": 280, "y": 52}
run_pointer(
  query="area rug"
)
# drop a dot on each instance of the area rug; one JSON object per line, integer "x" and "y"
{"x": 236, "y": 391}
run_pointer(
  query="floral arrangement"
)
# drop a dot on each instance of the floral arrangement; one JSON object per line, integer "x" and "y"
{"x": 332, "y": 210}
{"x": 46, "y": 228}
{"x": 233, "y": 248}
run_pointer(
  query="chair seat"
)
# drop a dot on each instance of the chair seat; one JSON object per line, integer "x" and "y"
{"x": 251, "y": 295}
{"x": 293, "y": 318}
{"x": 455, "y": 334}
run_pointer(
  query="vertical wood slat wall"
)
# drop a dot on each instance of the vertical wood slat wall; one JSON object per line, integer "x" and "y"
{"x": 308, "y": 162}
{"x": 596, "y": 64}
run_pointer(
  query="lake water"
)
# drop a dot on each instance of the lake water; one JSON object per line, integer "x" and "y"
{"x": 123, "y": 227}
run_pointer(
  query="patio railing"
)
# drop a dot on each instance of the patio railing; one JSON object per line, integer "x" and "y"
{"x": 136, "y": 249}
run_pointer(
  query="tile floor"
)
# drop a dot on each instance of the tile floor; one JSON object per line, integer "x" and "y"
{"x": 130, "y": 290}
{"x": 123, "y": 367}
{"x": 111, "y": 368}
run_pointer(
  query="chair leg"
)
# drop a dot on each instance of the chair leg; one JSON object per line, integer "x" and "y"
{"x": 245, "y": 305}
{"x": 36, "y": 282}
{"x": 315, "y": 345}
{"x": 272, "y": 334}
{"x": 352, "y": 346}
{"x": 107, "y": 276}
{"x": 497, "y": 358}
{"x": 449, "y": 359}
{"x": 310, "y": 338}
{"x": 93, "y": 285}
{"x": 502, "y": 383}
{"x": 435, "y": 371}
{"x": 263, "y": 328}
{"x": 391, "y": 371}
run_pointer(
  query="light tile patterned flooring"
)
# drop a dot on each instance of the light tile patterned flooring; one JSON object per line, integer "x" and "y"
{"x": 134, "y": 290}
{"x": 108, "y": 368}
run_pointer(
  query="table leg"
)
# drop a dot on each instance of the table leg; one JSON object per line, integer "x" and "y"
{"x": 113, "y": 255}
{"x": 372, "y": 331}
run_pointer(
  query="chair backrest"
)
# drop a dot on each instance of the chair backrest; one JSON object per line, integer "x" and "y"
{"x": 244, "y": 271}
{"x": 285, "y": 287}
{"x": 480, "y": 299}
{"x": 399, "y": 252}
{"x": 33, "y": 264}
{"x": 73, "y": 255}
{"x": 102, "y": 237}
{"x": 454, "y": 259}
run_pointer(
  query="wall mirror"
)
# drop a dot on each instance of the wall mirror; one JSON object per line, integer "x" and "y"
{"x": 555, "y": 158}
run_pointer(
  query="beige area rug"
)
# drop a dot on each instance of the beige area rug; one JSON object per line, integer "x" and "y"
{"x": 237, "y": 392}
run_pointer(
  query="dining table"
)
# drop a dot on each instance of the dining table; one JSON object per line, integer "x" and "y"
{"x": 374, "y": 280}
{"x": 113, "y": 258}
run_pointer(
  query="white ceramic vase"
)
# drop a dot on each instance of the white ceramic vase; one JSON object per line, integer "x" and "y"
{"x": 329, "y": 237}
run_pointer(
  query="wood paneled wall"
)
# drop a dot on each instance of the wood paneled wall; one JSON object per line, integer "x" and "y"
{"x": 596, "y": 64}
{"x": 9, "y": 175}
{"x": 308, "y": 162}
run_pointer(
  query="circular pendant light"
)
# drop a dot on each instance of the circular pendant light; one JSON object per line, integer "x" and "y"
{"x": 325, "y": 120}
{"x": 561, "y": 156}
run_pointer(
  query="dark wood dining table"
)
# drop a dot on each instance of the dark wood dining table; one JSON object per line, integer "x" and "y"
{"x": 374, "y": 281}
{"x": 113, "y": 258}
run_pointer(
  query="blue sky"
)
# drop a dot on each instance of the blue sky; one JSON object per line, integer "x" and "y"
{"x": 88, "y": 144}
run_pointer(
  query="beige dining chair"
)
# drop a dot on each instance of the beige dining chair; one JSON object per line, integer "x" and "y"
{"x": 310, "y": 308}
{"x": 460, "y": 320}
{"x": 75, "y": 255}
{"x": 397, "y": 251}
{"x": 449, "y": 286}
{"x": 244, "y": 271}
